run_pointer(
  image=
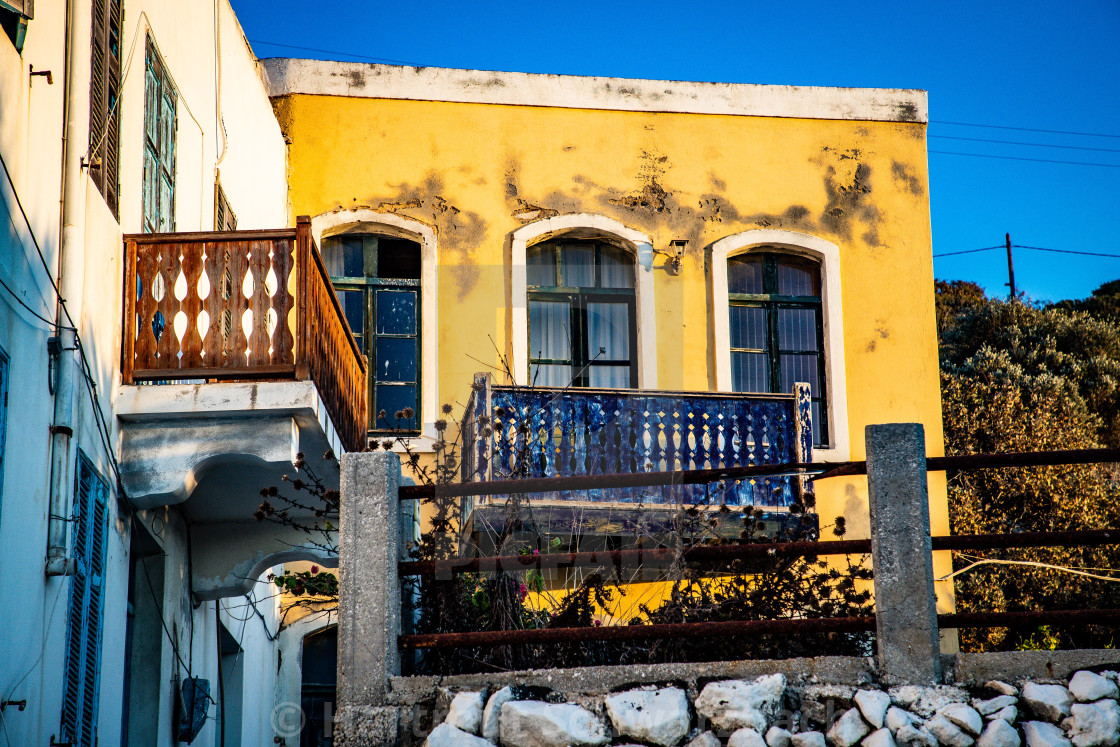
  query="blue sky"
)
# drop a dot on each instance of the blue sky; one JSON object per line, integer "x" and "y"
{"x": 1032, "y": 65}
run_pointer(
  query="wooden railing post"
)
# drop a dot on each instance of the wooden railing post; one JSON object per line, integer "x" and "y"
{"x": 303, "y": 297}
{"x": 128, "y": 325}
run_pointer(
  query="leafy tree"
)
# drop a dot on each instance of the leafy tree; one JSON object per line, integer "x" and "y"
{"x": 1018, "y": 377}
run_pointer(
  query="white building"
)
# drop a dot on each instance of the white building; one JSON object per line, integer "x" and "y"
{"x": 129, "y": 557}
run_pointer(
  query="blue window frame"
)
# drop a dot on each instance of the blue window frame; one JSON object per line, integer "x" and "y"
{"x": 377, "y": 281}
{"x": 159, "y": 145}
{"x": 83, "y": 637}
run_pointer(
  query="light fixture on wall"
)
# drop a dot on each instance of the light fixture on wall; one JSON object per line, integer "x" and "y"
{"x": 675, "y": 253}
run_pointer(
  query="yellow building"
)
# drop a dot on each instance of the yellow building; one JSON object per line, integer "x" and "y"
{"x": 627, "y": 234}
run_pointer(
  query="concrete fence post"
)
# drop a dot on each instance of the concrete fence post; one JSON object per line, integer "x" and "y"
{"x": 369, "y": 590}
{"x": 905, "y": 605}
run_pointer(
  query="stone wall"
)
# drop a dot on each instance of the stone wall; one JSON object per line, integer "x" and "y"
{"x": 1040, "y": 699}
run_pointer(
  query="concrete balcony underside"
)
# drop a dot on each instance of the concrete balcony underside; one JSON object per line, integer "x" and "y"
{"x": 211, "y": 448}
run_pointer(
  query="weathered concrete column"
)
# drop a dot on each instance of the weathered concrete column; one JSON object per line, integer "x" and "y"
{"x": 369, "y": 599}
{"x": 905, "y": 605}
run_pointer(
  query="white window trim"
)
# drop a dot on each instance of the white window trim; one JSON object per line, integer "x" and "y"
{"x": 371, "y": 221}
{"x": 828, "y": 254}
{"x": 586, "y": 225}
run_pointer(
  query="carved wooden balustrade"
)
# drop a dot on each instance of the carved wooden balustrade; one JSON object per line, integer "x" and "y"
{"x": 523, "y": 432}
{"x": 238, "y": 306}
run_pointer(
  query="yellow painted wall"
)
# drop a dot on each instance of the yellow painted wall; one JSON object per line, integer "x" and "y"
{"x": 477, "y": 172}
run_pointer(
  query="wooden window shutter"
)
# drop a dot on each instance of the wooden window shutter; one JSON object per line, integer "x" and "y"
{"x": 104, "y": 92}
{"x": 83, "y": 638}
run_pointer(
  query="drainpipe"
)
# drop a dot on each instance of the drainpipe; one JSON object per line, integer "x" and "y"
{"x": 63, "y": 347}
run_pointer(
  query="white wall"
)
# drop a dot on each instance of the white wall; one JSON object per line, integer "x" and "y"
{"x": 33, "y": 608}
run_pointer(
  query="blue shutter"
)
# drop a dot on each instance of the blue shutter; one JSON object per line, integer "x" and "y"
{"x": 83, "y": 637}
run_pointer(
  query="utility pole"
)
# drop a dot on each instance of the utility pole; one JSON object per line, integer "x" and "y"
{"x": 1010, "y": 267}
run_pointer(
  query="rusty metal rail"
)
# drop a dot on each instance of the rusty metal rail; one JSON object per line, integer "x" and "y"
{"x": 490, "y": 638}
{"x": 719, "y": 553}
{"x": 630, "y": 558}
{"x": 636, "y": 632}
{"x": 824, "y": 470}
{"x": 1029, "y": 619}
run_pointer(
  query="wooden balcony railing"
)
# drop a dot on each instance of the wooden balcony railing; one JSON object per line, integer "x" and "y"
{"x": 241, "y": 306}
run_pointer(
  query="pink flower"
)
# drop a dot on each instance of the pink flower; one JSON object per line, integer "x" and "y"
{"x": 598, "y": 623}
{"x": 314, "y": 569}
{"x": 523, "y": 592}
{"x": 536, "y": 552}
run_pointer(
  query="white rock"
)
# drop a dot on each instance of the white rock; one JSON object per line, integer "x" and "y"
{"x": 746, "y": 737}
{"x": 1002, "y": 688}
{"x": 1050, "y": 702}
{"x": 704, "y": 739}
{"x": 734, "y": 704}
{"x": 808, "y": 739}
{"x": 879, "y": 738}
{"x": 1008, "y": 714}
{"x": 1042, "y": 734}
{"x": 947, "y": 732}
{"x": 913, "y": 735}
{"x": 999, "y": 733}
{"x": 777, "y": 737}
{"x": 658, "y": 717}
{"x": 988, "y": 707}
{"x": 493, "y": 711}
{"x": 446, "y": 735}
{"x": 1094, "y": 724}
{"x": 897, "y": 718}
{"x": 873, "y": 704}
{"x": 848, "y": 729}
{"x": 925, "y": 701}
{"x": 1088, "y": 687}
{"x": 963, "y": 716}
{"x": 466, "y": 712}
{"x": 531, "y": 723}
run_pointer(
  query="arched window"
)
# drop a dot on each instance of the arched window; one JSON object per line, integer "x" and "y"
{"x": 377, "y": 280}
{"x": 778, "y": 319}
{"x": 581, "y": 303}
{"x": 776, "y": 327}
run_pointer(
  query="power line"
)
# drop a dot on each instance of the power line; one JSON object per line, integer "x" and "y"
{"x": 968, "y": 251}
{"x": 335, "y": 51}
{"x": 1067, "y": 251}
{"x": 1019, "y": 158}
{"x": 1033, "y": 145}
{"x": 1023, "y": 129}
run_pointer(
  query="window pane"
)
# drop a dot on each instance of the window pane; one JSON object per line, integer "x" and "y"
{"x": 798, "y": 277}
{"x": 167, "y": 133}
{"x": 392, "y": 398}
{"x": 797, "y": 329}
{"x": 800, "y": 368}
{"x": 353, "y": 307}
{"x": 550, "y": 375}
{"x": 396, "y": 312}
{"x": 750, "y": 372}
{"x": 550, "y": 334}
{"x": 744, "y": 274}
{"x": 577, "y": 265}
{"x": 398, "y": 258}
{"x": 748, "y": 327}
{"x": 396, "y": 359}
{"x": 816, "y": 413}
{"x": 342, "y": 256}
{"x": 609, "y": 377}
{"x": 608, "y": 331}
{"x": 616, "y": 268}
{"x": 166, "y": 208}
{"x": 540, "y": 266}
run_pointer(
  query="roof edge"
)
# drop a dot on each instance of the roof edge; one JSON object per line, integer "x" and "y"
{"x": 375, "y": 81}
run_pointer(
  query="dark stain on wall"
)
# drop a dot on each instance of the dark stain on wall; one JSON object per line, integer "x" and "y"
{"x": 883, "y": 334}
{"x": 905, "y": 178}
{"x": 907, "y": 112}
{"x": 457, "y": 231}
{"x": 848, "y": 187}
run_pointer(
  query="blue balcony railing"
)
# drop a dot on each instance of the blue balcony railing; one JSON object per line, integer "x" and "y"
{"x": 531, "y": 432}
